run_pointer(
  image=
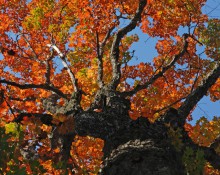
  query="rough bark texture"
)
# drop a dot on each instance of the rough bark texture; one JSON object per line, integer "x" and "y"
{"x": 138, "y": 147}
{"x": 131, "y": 147}
{"x": 141, "y": 148}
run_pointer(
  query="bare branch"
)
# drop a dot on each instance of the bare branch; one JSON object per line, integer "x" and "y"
{"x": 30, "y": 98}
{"x": 47, "y": 74}
{"x": 65, "y": 65}
{"x": 197, "y": 77}
{"x": 48, "y": 67}
{"x": 170, "y": 105}
{"x": 160, "y": 73}
{"x": 100, "y": 51}
{"x": 26, "y": 40}
{"x": 102, "y": 45}
{"x": 100, "y": 62}
{"x": 2, "y": 98}
{"x": 45, "y": 118}
{"x": 23, "y": 52}
{"x": 194, "y": 97}
{"x": 114, "y": 55}
{"x": 40, "y": 86}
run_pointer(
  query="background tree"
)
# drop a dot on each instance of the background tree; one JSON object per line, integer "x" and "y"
{"x": 68, "y": 101}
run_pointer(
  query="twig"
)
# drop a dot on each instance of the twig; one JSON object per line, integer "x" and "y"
{"x": 4, "y": 99}
{"x": 48, "y": 67}
{"x": 170, "y": 105}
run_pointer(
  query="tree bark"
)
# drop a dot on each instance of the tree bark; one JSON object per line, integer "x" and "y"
{"x": 131, "y": 147}
{"x": 138, "y": 147}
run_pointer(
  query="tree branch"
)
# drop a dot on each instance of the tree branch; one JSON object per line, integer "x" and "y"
{"x": 212, "y": 157}
{"x": 65, "y": 65}
{"x": 100, "y": 62}
{"x": 209, "y": 152}
{"x": 160, "y": 73}
{"x": 45, "y": 118}
{"x": 171, "y": 117}
{"x": 170, "y": 105}
{"x": 40, "y": 86}
{"x": 32, "y": 49}
{"x": 30, "y": 98}
{"x": 47, "y": 74}
{"x": 48, "y": 67}
{"x": 194, "y": 97}
{"x": 100, "y": 51}
{"x": 114, "y": 54}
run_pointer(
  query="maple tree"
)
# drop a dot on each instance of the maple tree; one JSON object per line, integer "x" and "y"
{"x": 68, "y": 103}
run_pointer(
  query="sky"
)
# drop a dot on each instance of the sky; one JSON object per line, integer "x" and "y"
{"x": 205, "y": 107}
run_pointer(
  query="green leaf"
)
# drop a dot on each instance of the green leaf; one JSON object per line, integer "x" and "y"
{"x": 12, "y": 128}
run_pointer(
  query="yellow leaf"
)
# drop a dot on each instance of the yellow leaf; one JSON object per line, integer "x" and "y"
{"x": 46, "y": 128}
{"x": 11, "y": 128}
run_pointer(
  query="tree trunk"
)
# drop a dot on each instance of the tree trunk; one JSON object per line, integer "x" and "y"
{"x": 131, "y": 147}
{"x": 141, "y": 149}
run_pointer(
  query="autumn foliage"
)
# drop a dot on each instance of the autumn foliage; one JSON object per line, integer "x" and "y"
{"x": 70, "y": 49}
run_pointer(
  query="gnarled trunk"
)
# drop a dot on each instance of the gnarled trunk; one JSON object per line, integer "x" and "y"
{"x": 141, "y": 149}
{"x": 131, "y": 147}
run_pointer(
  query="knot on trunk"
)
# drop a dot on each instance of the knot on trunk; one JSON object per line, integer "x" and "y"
{"x": 172, "y": 118}
{"x": 71, "y": 106}
{"x": 118, "y": 103}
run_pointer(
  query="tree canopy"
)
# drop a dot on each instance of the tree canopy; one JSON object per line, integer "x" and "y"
{"x": 63, "y": 60}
